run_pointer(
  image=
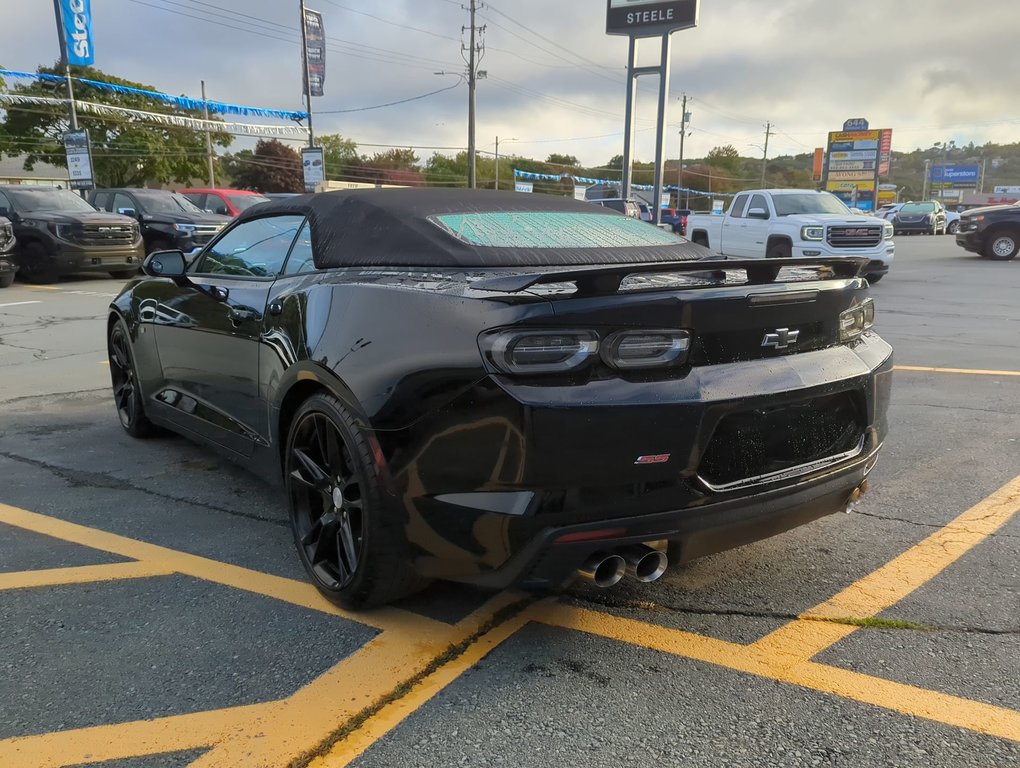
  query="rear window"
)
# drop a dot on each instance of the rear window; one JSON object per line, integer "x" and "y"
{"x": 551, "y": 230}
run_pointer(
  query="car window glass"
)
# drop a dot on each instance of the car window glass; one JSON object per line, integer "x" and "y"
{"x": 254, "y": 249}
{"x": 120, "y": 200}
{"x": 216, "y": 204}
{"x": 301, "y": 260}
{"x": 102, "y": 200}
{"x": 737, "y": 209}
{"x": 5, "y": 203}
{"x": 196, "y": 199}
{"x": 759, "y": 201}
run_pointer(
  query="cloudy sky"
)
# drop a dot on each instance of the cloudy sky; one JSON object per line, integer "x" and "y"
{"x": 931, "y": 70}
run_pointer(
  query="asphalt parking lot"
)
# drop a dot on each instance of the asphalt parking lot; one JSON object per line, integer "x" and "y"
{"x": 153, "y": 611}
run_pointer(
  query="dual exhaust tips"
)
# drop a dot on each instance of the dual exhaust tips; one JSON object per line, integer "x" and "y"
{"x": 639, "y": 562}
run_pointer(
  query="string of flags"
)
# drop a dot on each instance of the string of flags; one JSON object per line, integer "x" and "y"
{"x": 183, "y": 102}
{"x": 178, "y": 121}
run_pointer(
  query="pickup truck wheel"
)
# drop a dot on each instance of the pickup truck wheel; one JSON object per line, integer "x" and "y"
{"x": 1002, "y": 245}
{"x": 779, "y": 251}
{"x": 37, "y": 266}
{"x": 157, "y": 245}
{"x": 6, "y": 280}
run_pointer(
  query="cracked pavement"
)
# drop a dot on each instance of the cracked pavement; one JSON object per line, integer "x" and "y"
{"x": 549, "y": 695}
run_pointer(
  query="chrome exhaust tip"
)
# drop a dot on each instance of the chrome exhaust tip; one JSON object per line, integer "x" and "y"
{"x": 603, "y": 570}
{"x": 644, "y": 563}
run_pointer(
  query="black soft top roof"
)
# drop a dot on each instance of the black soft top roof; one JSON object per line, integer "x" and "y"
{"x": 391, "y": 227}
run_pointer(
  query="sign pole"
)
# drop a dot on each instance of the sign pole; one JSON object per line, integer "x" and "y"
{"x": 628, "y": 129}
{"x": 660, "y": 129}
{"x": 308, "y": 84}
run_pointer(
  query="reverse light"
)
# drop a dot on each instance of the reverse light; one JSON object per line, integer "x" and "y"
{"x": 856, "y": 320}
{"x": 526, "y": 352}
{"x": 812, "y": 233}
{"x": 627, "y": 350}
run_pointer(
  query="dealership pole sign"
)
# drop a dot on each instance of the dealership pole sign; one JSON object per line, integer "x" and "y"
{"x": 315, "y": 54}
{"x": 313, "y": 163}
{"x": 650, "y": 18}
{"x": 855, "y": 159}
{"x": 79, "y": 159}
{"x": 77, "y": 23}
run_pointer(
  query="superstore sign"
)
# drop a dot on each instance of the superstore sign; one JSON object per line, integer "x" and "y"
{"x": 645, "y": 18}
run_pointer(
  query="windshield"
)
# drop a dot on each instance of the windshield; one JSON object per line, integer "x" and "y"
{"x": 32, "y": 200}
{"x": 244, "y": 202}
{"x": 792, "y": 205}
{"x": 918, "y": 208}
{"x": 167, "y": 203}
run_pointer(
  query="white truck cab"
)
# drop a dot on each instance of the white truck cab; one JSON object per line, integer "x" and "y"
{"x": 784, "y": 223}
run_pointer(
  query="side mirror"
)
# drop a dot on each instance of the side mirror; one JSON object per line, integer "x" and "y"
{"x": 127, "y": 212}
{"x": 165, "y": 264}
{"x": 757, "y": 213}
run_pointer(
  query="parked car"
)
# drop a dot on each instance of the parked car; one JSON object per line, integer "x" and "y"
{"x": 59, "y": 233}
{"x": 553, "y": 415}
{"x": 927, "y": 218}
{"x": 224, "y": 202}
{"x": 676, "y": 218}
{"x": 952, "y": 222}
{"x": 887, "y": 211}
{"x": 167, "y": 219}
{"x": 785, "y": 223}
{"x": 7, "y": 242}
{"x": 993, "y": 232}
{"x": 644, "y": 212}
{"x": 626, "y": 207}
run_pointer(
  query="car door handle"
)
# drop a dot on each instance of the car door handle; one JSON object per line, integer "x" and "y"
{"x": 240, "y": 315}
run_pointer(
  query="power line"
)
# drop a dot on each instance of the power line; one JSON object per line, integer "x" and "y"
{"x": 388, "y": 104}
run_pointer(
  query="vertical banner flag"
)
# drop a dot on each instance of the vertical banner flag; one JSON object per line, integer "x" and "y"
{"x": 819, "y": 164}
{"x": 77, "y": 18}
{"x": 79, "y": 159}
{"x": 315, "y": 170}
{"x": 885, "y": 152}
{"x": 315, "y": 48}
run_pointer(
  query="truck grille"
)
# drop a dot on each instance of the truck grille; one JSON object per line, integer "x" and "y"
{"x": 106, "y": 234}
{"x": 854, "y": 237}
{"x": 749, "y": 447}
{"x": 206, "y": 232}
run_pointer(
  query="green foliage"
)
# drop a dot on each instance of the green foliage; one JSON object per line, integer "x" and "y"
{"x": 272, "y": 167}
{"x": 126, "y": 151}
{"x": 338, "y": 152}
{"x": 568, "y": 161}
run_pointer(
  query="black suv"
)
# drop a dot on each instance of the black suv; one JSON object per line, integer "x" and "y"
{"x": 169, "y": 221}
{"x": 7, "y": 241}
{"x": 59, "y": 233}
{"x": 994, "y": 232}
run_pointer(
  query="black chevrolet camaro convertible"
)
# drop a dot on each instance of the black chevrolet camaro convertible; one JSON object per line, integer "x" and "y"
{"x": 499, "y": 388}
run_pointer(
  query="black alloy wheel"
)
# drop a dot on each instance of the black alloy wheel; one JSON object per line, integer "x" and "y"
{"x": 350, "y": 552}
{"x": 37, "y": 266}
{"x": 127, "y": 395}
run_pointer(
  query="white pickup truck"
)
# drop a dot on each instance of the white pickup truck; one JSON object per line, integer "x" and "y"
{"x": 784, "y": 223}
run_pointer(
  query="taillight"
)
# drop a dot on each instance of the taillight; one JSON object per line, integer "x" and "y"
{"x": 525, "y": 352}
{"x": 627, "y": 350}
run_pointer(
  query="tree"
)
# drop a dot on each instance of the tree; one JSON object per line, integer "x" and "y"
{"x": 726, "y": 159}
{"x": 567, "y": 160}
{"x": 126, "y": 151}
{"x": 339, "y": 154}
{"x": 272, "y": 167}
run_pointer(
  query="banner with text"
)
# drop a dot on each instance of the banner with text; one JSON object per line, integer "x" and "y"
{"x": 315, "y": 53}
{"x": 77, "y": 22}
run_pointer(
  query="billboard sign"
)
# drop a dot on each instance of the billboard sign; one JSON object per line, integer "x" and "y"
{"x": 885, "y": 152}
{"x": 77, "y": 23}
{"x": 855, "y": 159}
{"x": 856, "y": 124}
{"x": 851, "y": 175}
{"x": 853, "y": 165}
{"x": 1007, "y": 190}
{"x": 314, "y": 167}
{"x": 524, "y": 186}
{"x": 955, "y": 175}
{"x": 79, "y": 160}
{"x": 650, "y": 18}
{"x": 315, "y": 52}
{"x": 819, "y": 164}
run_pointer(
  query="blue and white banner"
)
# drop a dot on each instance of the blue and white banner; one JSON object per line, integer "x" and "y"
{"x": 77, "y": 18}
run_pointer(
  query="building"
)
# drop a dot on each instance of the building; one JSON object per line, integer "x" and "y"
{"x": 12, "y": 171}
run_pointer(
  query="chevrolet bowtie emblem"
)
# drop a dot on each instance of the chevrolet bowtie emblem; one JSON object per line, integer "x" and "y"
{"x": 782, "y": 338}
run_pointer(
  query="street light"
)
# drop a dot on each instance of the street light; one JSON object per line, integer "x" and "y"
{"x": 497, "y": 159}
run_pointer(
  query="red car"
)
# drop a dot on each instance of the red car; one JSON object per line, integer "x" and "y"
{"x": 226, "y": 202}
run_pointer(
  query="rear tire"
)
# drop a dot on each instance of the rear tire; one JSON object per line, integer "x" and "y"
{"x": 354, "y": 551}
{"x": 6, "y": 280}
{"x": 1002, "y": 245}
{"x": 127, "y": 394}
{"x": 37, "y": 266}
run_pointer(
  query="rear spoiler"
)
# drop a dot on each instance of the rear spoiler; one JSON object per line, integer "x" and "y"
{"x": 595, "y": 280}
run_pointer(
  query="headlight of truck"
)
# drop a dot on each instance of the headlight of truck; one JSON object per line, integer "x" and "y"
{"x": 812, "y": 233}
{"x": 889, "y": 230}
{"x": 6, "y": 236}
{"x": 63, "y": 231}
{"x": 856, "y": 320}
{"x": 187, "y": 229}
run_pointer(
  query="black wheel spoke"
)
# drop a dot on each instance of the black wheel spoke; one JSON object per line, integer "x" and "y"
{"x": 317, "y": 477}
{"x": 346, "y": 545}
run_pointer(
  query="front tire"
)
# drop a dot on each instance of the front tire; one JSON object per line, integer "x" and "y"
{"x": 354, "y": 552}
{"x": 874, "y": 278}
{"x": 37, "y": 266}
{"x": 6, "y": 280}
{"x": 1002, "y": 245}
{"x": 127, "y": 395}
{"x": 779, "y": 251}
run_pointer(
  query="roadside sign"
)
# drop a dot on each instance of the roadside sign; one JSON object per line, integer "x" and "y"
{"x": 524, "y": 186}
{"x": 314, "y": 167}
{"x": 951, "y": 176}
{"x": 650, "y": 18}
{"x": 79, "y": 160}
{"x": 717, "y": 207}
{"x": 580, "y": 192}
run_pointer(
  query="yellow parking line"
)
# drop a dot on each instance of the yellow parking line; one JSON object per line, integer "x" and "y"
{"x": 964, "y": 371}
{"x": 83, "y": 575}
{"x": 883, "y": 588}
{"x": 298, "y": 593}
{"x": 758, "y": 661}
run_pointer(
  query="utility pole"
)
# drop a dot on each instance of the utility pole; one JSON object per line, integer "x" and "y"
{"x": 927, "y": 173}
{"x": 684, "y": 119}
{"x": 475, "y": 51}
{"x": 765, "y": 158}
{"x": 497, "y": 158}
{"x": 308, "y": 84}
{"x": 208, "y": 141}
